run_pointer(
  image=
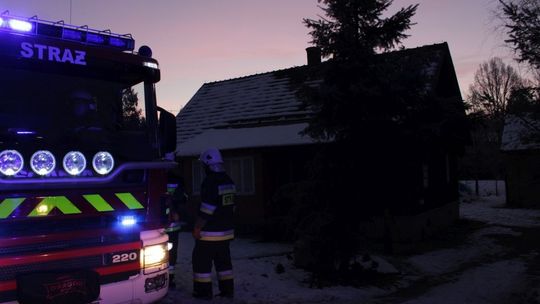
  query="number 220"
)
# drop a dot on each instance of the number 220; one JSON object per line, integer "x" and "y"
{"x": 124, "y": 257}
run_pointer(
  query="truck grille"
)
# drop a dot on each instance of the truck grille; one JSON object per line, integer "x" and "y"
{"x": 49, "y": 246}
{"x": 64, "y": 255}
{"x": 10, "y": 272}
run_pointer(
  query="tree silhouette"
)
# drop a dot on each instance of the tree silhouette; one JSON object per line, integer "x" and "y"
{"x": 353, "y": 29}
{"x": 492, "y": 89}
{"x": 352, "y": 33}
{"x": 361, "y": 101}
{"x": 523, "y": 24}
{"x": 132, "y": 118}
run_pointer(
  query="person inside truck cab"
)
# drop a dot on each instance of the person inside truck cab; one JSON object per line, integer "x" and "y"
{"x": 83, "y": 110}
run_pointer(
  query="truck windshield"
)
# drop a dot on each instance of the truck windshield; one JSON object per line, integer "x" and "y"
{"x": 74, "y": 112}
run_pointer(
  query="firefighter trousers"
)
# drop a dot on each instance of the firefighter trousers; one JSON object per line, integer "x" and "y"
{"x": 204, "y": 254}
{"x": 173, "y": 253}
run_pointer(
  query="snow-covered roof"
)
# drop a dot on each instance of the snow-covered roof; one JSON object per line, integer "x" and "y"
{"x": 231, "y": 107}
{"x": 235, "y": 138}
{"x": 253, "y": 100}
{"x": 517, "y": 133}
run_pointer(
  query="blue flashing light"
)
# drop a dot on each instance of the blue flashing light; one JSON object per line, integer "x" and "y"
{"x": 72, "y": 34}
{"x": 117, "y": 42}
{"x": 95, "y": 38}
{"x": 25, "y": 132}
{"x": 60, "y": 30}
{"x": 127, "y": 220}
{"x": 20, "y": 25}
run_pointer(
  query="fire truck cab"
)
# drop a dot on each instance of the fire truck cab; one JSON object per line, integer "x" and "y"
{"x": 82, "y": 166}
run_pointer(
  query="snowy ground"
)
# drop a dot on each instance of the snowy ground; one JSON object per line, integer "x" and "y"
{"x": 491, "y": 256}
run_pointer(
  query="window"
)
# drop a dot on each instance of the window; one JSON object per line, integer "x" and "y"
{"x": 67, "y": 111}
{"x": 239, "y": 169}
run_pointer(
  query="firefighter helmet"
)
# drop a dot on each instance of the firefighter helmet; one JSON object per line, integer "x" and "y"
{"x": 211, "y": 156}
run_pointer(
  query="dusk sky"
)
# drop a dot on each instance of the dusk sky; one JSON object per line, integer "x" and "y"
{"x": 198, "y": 41}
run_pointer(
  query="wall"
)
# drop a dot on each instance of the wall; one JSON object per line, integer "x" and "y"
{"x": 523, "y": 179}
{"x": 249, "y": 208}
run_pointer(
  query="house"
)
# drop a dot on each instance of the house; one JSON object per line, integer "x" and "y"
{"x": 257, "y": 122}
{"x": 521, "y": 150}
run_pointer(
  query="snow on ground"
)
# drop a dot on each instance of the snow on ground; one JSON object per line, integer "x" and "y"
{"x": 256, "y": 280}
{"x": 480, "y": 269}
{"x": 492, "y": 210}
{"x": 478, "y": 245}
{"x": 488, "y": 283}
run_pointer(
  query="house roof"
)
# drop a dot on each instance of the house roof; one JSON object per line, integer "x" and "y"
{"x": 255, "y": 103}
{"x": 518, "y": 134}
{"x": 260, "y": 100}
{"x": 235, "y": 138}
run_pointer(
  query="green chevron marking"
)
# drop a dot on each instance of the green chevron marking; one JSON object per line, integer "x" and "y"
{"x": 51, "y": 202}
{"x": 129, "y": 200}
{"x": 9, "y": 205}
{"x": 98, "y": 202}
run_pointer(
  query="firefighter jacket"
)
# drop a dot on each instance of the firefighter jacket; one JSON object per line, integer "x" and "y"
{"x": 217, "y": 207}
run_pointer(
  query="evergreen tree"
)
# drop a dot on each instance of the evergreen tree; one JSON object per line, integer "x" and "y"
{"x": 522, "y": 19}
{"x": 365, "y": 106}
{"x": 352, "y": 33}
{"x": 354, "y": 29}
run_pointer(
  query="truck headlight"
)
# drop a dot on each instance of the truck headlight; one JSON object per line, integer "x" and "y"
{"x": 103, "y": 162}
{"x": 42, "y": 162}
{"x": 11, "y": 162}
{"x": 155, "y": 258}
{"x": 74, "y": 162}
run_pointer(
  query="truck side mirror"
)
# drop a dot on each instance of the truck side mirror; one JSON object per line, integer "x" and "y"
{"x": 167, "y": 131}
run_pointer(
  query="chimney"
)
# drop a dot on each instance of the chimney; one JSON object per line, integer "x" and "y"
{"x": 313, "y": 55}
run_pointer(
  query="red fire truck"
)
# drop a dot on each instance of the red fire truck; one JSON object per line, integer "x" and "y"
{"x": 82, "y": 169}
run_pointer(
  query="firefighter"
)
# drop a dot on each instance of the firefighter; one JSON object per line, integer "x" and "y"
{"x": 83, "y": 111}
{"x": 213, "y": 229}
{"x": 176, "y": 201}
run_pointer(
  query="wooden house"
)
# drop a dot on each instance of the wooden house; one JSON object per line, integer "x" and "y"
{"x": 257, "y": 123}
{"x": 521, "y": 150}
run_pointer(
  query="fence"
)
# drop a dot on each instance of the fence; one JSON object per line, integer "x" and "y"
{"x": 482, "y": 188}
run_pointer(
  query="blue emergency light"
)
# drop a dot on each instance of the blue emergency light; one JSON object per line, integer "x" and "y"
{"x": 20, "y": 25}
{"x": 60, "y": 30}
{"x": 127, "y": 220}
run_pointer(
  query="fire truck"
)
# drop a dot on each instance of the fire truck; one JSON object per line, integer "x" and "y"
{"x": 82, "y": 169}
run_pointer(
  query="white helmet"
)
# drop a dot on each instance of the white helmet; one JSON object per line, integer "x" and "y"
{"x": 211, "y": 156}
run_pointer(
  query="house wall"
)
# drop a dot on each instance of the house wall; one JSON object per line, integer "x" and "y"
{"x": 523, "y": 179}
{"x": 249, "y": 207}
{"x": 284, "y": 166}
{"x": 273, "y": 168}
{"x": 443, "y": 187}
{"x": 280, "y": 166}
